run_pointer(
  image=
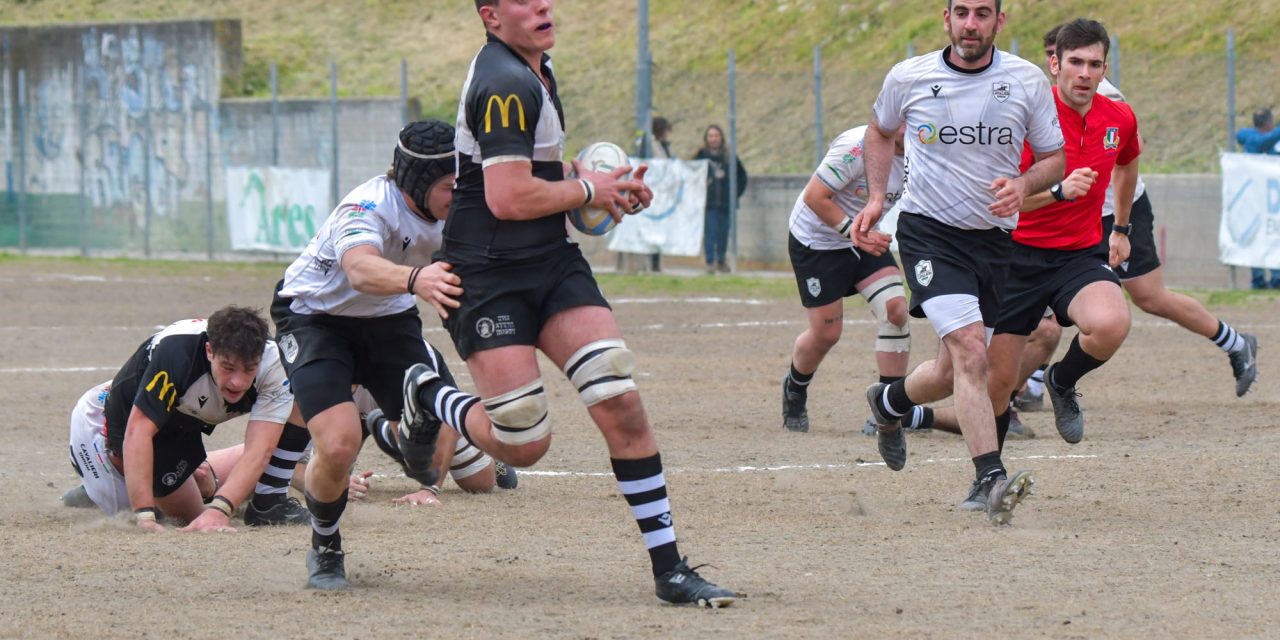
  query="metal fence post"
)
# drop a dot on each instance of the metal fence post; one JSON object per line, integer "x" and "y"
{"x": 333, "y": 108}
{"x": 911, "y": 49}
{"x": 209, "y": 123}
{"x": 146, "y": 161}
{"x": 644, "y": 81}
{"x": 81, "y": 117}
{"x": 404, "y": 92}
{"x": 732, "y": 152}
{"x": 1115, "y": 60}
{"x": 22, "y": 160}
{"x": 275, "y": 116}
{"x": 820, "y": 143}
{"x": 1231, "y": 90}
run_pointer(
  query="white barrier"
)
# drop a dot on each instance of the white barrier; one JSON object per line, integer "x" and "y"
{"x": 1249, "y": 234}
{"x": 274, "y": 208}
{"x": 672, "y": 225}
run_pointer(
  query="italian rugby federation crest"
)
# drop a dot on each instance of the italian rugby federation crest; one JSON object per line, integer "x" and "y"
{"x": 815, "y": 286}
{"x": 1111, "y": 141}
{"x": 1000, "y": 90}
{"x": 924, "y": 272}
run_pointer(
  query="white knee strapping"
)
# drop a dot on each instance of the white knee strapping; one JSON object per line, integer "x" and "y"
{"x": 602, "y": 370}
{"x": 519, "y": 416}
{"x": 467, "y": 460}
{"x": 890, "y": 338}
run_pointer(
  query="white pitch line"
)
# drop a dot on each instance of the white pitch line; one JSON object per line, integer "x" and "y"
{"x": 56, "y": 369}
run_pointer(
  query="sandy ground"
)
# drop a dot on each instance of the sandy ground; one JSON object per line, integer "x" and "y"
{"x": 1164, "y": 522}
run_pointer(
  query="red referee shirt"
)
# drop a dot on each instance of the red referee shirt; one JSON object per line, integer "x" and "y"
{"x": 1107, "y": 136}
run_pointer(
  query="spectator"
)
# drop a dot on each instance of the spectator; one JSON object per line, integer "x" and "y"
{"x": 659, "y": 146}
{"x": 716, "y": 234}
{"x": 1262, "y": 137}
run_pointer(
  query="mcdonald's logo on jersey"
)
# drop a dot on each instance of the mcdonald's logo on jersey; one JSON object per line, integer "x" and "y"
{"x": 504, "y": 111}
{"x": 166, "y": 388}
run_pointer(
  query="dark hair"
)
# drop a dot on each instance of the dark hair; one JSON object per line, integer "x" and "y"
{"x": 485, "y": 3}
{"x": 1081, "y": 33}
{"x": 1051, "y": 36}
{"x": 238, "y": 333}
{"x": 661, "y": 126}
{"x": 998, "y": 3}
{"x": 723, "y": 142}
{"x": 1262, "y": 117}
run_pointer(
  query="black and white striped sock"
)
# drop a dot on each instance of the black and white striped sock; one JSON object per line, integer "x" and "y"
{"x": 645, "y": 489}
{"x": 273, "y": 484}
{"x": 1227, "y": 338}
{"x": 448, "y": 402}
{"x": 324, "y": 521}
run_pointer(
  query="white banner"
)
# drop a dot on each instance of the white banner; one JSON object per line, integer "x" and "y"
{"x": 274, "y": 208}
{"x": 1249, "y": 235}
{"x": 673, "y": 224}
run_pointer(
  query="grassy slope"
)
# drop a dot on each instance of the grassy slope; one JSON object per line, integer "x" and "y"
{"x": 1169, "y": 49}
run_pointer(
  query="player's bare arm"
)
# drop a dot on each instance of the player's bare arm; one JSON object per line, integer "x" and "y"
{"x": 139, "y": 458}
{"x": 373, "y": 274}
{"x": 446, "y": 442}
{"x": 514, "y": 193}
{"x": 260, "y": 438}
{"x": 1075, "y": 185}
{"x": 877, "y": 147}
{"x": 1011, "y": 192}
{"x": 1126, "y": 182}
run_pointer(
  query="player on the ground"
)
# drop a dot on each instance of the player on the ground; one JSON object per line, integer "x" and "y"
{"x": 137, "y": 440}
{"x": 829, "y": 268}
{"x": 346, "y": 314}
{"x": 968, "y": 110}
{"x": 528, "y": 289}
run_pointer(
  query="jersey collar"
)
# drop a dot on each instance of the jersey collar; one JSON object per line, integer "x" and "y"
{"x": 946, "y": 58}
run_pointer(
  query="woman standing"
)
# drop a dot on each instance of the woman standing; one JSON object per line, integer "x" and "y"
{"x": 716, "y": 230}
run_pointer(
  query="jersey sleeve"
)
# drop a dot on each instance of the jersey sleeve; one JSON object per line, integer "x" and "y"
{"x": 1044, "y": 132}
{"x": 163, "y": 382}
{"x": 1131, "y": 148}
{"x": 891, "y": 101}
{"x": 504, "y": 111}
{"x": 842, "y": 164}
{"x": 275, "y": 399}
{"x": 357, "y": 224}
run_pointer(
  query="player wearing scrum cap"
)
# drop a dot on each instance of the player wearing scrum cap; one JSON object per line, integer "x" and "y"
{"x": 528, "y": 288}
{"x": 137, "y": 440}
{"x": 829, "y": 268}
{"x": 346, "y": 314}
{"x": 968, "y": 110}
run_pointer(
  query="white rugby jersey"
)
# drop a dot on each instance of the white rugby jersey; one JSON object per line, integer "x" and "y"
{"x": 842, "y": 171}
{"x": 964, "y": 130}
{"x": 1108, "y": 90}
{"x": 374, "y": 214}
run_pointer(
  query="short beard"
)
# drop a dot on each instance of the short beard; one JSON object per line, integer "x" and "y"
{"x": 982, "y": 52}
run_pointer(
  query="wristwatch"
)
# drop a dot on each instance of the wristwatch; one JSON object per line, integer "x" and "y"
{"x": 1122, "y": 229}
{"x": 1056, "y": 192}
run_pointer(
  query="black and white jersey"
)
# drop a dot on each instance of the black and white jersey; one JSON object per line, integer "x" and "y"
{"x": 374, "y": 214}
{"x": 964, "y": 130}
{"x": 168, "y": 378}
{"x": 843, "y": 172}
{"x": 1106, "y": 89}
{"x": 506, "y": 114}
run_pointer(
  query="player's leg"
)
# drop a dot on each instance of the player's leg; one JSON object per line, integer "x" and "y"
{"x": 271, "y": 504}
{"x": 1101, "y": 313}
{"x": 1035, "y": 359}
{"x": 103, "y": 483}
{"x": 586, "y": 343}
{"x": 885, "y": 295}
{"x": 811, "y": 346}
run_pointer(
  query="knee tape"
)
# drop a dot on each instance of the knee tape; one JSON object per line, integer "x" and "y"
{"x": 519, "y": 416}
{"x": 890, "y": 338}
{"x": 602, "y": 370}
{"x": 467, "y": 460}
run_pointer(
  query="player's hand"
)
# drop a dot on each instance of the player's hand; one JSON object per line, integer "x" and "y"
{"x": 151, "y": 525}
{"x": 864, "y": 226}
{"x": 358, "y": 486}
{"x": 418, "y": 498}
{"x": 1078, "y": 183}
{"x": 876, "y": 242}
{"x": 1119, "y": 243}
{"x": 1009, "y": 194}
{"x": 611, "y": 191}
{"x": 211, "y": 521}
{"x": 640, "y": 199}
{"x": 438, "y": 285}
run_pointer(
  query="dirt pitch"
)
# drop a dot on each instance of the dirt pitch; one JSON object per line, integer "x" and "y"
{"x": 1164, "y": 522}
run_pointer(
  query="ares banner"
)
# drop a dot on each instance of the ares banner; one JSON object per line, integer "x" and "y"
{"x": 274, "y": 208}
{"x": 1249, "y": 235}
{"x": 672, "y": 225}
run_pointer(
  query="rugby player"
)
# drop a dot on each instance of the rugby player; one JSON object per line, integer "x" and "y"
{"x": 829, "y": 268}
{"x": 528, "y": 288}
{"x": 968, "y": 110}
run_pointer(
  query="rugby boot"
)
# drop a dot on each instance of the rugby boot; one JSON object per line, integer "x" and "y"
{"x": 1004, "y": 493}
{"x": 283, "y": 510}
{"x": 1067, "y": 416}
{"x": 505, "y": 475}
{"x": 869, "y": 429}
{"x": 1027, "y": 401}
{"x": 1018, "y": 430}
{"x": 977, "y": 498}
{"x": 77, "y": 497}
{"x": 326, "y": 569}
{"x": 683, "y": 585}
{"x": 890, "y": 438}
{"x": 373, "y": 423}
{"x": 1244, "y": 364}
{"x": 795, "y": 415}
{"x": 418, "y": 426}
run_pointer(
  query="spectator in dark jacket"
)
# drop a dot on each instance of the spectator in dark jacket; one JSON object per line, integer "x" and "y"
{"x": 1262, "y": 137}
{"x": 716, "y": 230}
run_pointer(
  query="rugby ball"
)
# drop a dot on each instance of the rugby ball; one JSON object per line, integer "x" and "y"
{"x": 603, "y": 157}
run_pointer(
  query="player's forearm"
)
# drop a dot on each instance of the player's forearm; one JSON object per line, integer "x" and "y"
{"x": 529, "y": 198}
{"x": 374, "y": 275}
{"x": 1125, "y": 178}
{"x": 878, "y": 158}
{"x": 819, "y": 200}
{"x": 260, "y": 440}
{"x": 139, "y": 461}
{"x": 1037, "y": 201}
{"x": 1046, "y": 171}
